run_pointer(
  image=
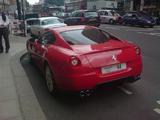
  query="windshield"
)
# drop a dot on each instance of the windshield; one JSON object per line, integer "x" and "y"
{"x": 85, "y": 36}
{"x": 51, "y": 21}
{"x": 33, "y": 22}
{"x": 91, "y": 14}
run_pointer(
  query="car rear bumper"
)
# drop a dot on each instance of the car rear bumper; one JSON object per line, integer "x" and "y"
{"x": 79, "y": 82}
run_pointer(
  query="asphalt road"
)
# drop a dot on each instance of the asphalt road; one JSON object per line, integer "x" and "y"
{"x": 137, "y": 101}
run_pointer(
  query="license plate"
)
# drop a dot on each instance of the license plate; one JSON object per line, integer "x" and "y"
{"x": 113, "y": 68}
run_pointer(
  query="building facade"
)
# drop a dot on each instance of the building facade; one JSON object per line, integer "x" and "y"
{"x": 152, "y": 7}
{"x": 98, "y": 4}
{"x": 4, "y": 4}
{"x": 71, "y": 5}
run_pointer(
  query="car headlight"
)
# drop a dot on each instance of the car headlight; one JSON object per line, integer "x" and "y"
{"x": 148, "y": 21}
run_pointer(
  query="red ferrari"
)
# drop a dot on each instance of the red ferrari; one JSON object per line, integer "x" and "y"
{"x": 77, "y": 58}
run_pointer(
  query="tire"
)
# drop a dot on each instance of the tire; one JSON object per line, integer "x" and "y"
{"x": 50, "y": 82}
{"x": 30, "y": 57}
{"x": 111, "y": 21}
{"x": 151, "y": 26}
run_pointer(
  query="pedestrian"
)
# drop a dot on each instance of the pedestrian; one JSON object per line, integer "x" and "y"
{"x": 4, "y": 32}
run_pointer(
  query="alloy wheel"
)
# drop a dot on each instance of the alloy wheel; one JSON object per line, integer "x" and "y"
{"x": 49, "y": 79}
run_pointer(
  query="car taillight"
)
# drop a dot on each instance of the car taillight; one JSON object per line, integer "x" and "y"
{"x": 74, "y": 61}
{"x": 82, "y": 19}
{"x": 138, "y": 50}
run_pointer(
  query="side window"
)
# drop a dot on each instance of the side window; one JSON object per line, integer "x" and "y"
{"x": 106, "y": 13}
{"x": 51, "y": 37}
{"x": 47, "y": 38}
{"x": 100, "y": 13}
{"x": 78, "y": 14}
{"x": 74, "y": 14}
{"x": 134, "y": 16}
{"x": 42, "y": 39}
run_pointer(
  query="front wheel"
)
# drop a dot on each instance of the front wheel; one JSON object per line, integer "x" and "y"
{"x": 50, "y": 82}
{"x": 151, "y": 26}
{"x": 111, "y": 21}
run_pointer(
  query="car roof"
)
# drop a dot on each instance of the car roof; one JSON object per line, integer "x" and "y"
{"x": 85, "y": 11}
{"x": 106, "y": 10}
{"x": 41, "y": 18}
{"x": 69, "y": 28}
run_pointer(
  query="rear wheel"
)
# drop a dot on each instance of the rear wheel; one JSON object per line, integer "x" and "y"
{"x": 50, "y": 82}
{"x": 30, "y": 57}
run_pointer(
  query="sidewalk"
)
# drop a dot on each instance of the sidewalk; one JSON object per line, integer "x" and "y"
{"x": 17, "y": 98}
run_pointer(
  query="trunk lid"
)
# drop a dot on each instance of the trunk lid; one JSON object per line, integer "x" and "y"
{"x": 109, "y": 53}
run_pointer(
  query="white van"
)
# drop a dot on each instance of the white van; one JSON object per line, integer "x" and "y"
{"x": 109, "y": 16}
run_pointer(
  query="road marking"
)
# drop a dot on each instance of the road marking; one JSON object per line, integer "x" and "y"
{"x": 157, "y": 110}
{"x": 158, "y": 102}
{"x": 154, "y": 34}
{"x": 139, "y": 30}
{"x": 128, "y": 92}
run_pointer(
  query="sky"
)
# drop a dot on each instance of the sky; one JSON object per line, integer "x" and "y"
{"x": 33, "y": 1}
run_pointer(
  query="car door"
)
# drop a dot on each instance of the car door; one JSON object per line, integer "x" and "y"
{"x": 75, "y": 19}
{"x": 134, "y": 19}
{"x": 42, "y": 48}
{"x": 108, "y": 16}
{"x": 104, "y": 16}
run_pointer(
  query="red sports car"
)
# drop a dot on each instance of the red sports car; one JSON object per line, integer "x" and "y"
{"x": 77, "y": 58}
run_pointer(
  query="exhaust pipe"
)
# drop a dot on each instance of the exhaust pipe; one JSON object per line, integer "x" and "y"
{"x": 85, "y": 93}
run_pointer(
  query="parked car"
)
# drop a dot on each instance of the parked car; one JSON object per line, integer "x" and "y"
{"x": 109, "y": 16}
{"x": 30, "y": 22}
{"x": 83, "y": 17}
{"x": 45, "y": 23}
{"x": 78, "y": 58}
{"x": 138, "y": 18}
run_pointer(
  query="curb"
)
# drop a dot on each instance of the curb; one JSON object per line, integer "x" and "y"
{"x": 29, "y": 106}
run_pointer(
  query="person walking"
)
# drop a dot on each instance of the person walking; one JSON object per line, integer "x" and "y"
{"x": 4, "y": 32}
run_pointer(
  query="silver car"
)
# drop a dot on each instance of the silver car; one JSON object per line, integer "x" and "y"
{"x": 45, "y": 23}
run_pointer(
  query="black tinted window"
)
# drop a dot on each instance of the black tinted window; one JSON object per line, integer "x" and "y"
{"x": 85, "y": 36}
{"x": 47, "y": 38}
{"x": 33, "y": 22}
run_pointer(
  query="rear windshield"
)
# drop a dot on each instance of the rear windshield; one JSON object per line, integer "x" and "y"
{"x": 85, "y": 36}
{"x": 51, "y": 21}
{"x": 33, "y": 22}
{"x": 91, "y": 14}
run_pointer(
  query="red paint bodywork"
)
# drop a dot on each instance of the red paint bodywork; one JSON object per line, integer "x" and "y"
{"x": 87, "y": 74}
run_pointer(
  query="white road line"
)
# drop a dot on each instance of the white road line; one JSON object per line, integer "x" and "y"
{"x": 128, "y": 92}
{"x": 153, "y": 34}
{"x": 157, "y": 110}
{"x": 158, "y": 102}
{"x": 139, "y": 30}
